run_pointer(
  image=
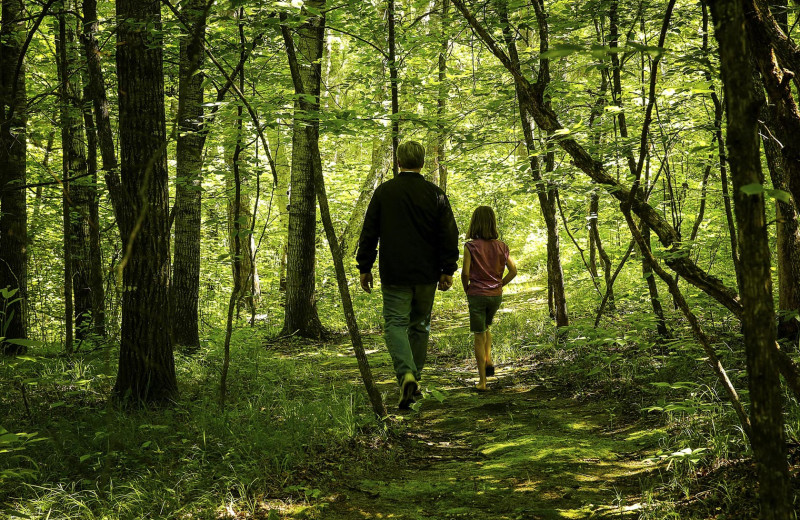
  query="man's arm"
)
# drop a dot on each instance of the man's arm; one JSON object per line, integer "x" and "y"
{"x": 448, "y": 237}
{"x": 368, "y": 241}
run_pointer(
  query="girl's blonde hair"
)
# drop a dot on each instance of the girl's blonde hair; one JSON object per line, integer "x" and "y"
{"x": 483, "y": 224}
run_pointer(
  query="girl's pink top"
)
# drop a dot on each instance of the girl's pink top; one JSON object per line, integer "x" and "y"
{"x": 488, "y": 259}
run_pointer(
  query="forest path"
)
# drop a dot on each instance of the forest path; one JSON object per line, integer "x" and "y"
{"x": 524, "y": 450}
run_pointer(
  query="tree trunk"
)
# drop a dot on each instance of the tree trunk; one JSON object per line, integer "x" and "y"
{"x": 146, "y": 364}
{"x": 13, "y": 207}
{"x": 597, "y": 244}
{"x": 782, "y": 120}
{"x": 756, "y": 285}
{"x": 77, "y": 193}
{"x": 319, "y": 182}
{"x": 249, "y": 283}
{"x": 788, "y": 240}
{"x": 546, "y": 192}
{"x": 95, "y": 252}
{"x": 185, "y": 288}
{"x": 301, "y": 310}
{"x": 390, "y": 12}
{"x": 95, "y": 85}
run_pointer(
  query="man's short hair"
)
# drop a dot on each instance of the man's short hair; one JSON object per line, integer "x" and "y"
{"x": 411, "y": 155}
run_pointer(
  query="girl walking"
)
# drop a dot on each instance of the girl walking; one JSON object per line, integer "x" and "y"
{"x": 485, "y": 259}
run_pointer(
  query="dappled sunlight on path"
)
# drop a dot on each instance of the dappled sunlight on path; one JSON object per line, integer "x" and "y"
{"x": 521, "y": 451}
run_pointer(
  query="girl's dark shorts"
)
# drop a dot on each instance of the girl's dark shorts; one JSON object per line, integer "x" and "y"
{"x": 481, "y": 311}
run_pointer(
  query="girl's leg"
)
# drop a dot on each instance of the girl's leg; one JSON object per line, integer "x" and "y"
{"x": 480, "y": 357}
{"x": 487, "y": 347}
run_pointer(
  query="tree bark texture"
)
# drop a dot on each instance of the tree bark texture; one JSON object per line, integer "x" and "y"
{"x": 788, "y": 242}
{"x": 96, "y": 88}
{"x": 185, "y": 288}
{"x": 782, "y": 121}
{"x": 146, "y": 363}
{"x": 301, "y": 316}
{"x": 78, "y": 194}
{"x": 13, "y": 140}
{"x": 743, "y": 108}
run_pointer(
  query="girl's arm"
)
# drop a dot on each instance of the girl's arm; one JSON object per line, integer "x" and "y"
{"x": 512, "y": 271}
{"x": 465, "y": 269}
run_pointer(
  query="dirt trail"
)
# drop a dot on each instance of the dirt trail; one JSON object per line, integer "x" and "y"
{"x": 522, "y": 451}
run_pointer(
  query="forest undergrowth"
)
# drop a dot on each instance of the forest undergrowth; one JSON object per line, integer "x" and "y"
{"x": 601, "y": 422}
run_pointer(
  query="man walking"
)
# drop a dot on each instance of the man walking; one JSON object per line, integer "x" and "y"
{"x": 413, "y": 221}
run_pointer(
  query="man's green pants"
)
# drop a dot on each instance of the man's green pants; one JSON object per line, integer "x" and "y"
{"x": 407, "y": 325}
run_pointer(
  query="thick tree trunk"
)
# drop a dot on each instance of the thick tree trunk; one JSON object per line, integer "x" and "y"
{"x": 146, "y": 364}
{"x": 301, "y": 310}
{"x": 756, "y": 285}
{"x": 185, "y": 288}
{"x": 13, "y": 207}
{"x": 788, "y": 241}
{"x": 782, "y": 120}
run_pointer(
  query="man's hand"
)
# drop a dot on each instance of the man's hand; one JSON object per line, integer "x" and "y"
{"x": 366, "y": 282}
{"x": 445, "y": 282}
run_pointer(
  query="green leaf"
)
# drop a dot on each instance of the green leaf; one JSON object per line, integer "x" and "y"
{"x": 780, "y": 195}
{"x": 560, "y": 50}
{"x": 25, "y": 342}
{"x": 752, "y": 189}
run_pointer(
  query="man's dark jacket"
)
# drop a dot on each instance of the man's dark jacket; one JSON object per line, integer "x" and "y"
{"x": 412, "y": 219}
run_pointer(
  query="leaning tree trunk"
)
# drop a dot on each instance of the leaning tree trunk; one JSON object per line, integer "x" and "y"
{"x": 146, "y": 364}
{"x": 756, "y": 285}
{"x": 546, "y": 192}
{"x": 301, "y": 316}
{"x": 13, "y": 207}
{"x": 185, "y": 288}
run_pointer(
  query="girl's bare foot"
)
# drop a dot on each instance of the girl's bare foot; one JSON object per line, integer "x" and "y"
{"x": 481, "y": 387}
